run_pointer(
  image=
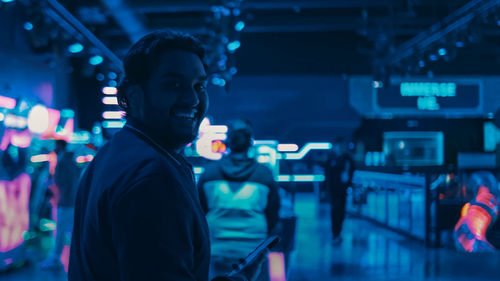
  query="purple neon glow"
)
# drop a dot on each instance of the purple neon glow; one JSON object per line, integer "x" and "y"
{"x": 45, "y": 91}
{"x": 65, "y": 258}
{"x": 14, "y": 212}
{"x": 276, "y": 266}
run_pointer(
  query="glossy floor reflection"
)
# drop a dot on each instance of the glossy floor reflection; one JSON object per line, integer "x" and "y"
{"x": 369, "y": 252}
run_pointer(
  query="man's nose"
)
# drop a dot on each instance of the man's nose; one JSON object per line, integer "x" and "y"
{"x": 191, "y": 98}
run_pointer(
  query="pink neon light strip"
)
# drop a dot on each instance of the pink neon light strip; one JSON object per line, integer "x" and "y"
{"x": 14, "y": 212}
{"x": 7, "y": 102}
{"x": 276, "y": 266}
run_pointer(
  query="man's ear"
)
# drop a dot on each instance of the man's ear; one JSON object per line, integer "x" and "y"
{"x": 135, "y": 97}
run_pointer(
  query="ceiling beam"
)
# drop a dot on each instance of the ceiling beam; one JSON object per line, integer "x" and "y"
{"x": 456, "y": 22}
{"x": 191, "y": 6}
{"x": 126, "y": 18}
{"x": 74, "y": 27}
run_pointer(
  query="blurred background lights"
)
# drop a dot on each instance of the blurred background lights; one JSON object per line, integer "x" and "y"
{"x": 112, "y": 75}
{"x": 100, "y": 77}
{"x": 38, "y": 119}
{"x": 28, "y": 26}
{"x": 109, "y": 90}
{"x": 96, "y": 60}
{"x": 233, "y": 46}
{"x": 239, "y": 25}
{"x": 75, "y": 48}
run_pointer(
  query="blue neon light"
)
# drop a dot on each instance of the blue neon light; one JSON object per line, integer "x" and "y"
{"x": 239, "y": 26}
{"x": 113, "y": 124}
{"x": 112, "y": 75}
{"x": 421, "y": 63}
{"x": 287, "y": 147}
{"x": 428, "y": 89}
{"x": 301, "y": 178}
{"x": 442, "y": 52}
{"x": 218, "y": 81}
{"x": 96, "y": 60}
{"x": 28, "y": 26}
{"x": 75, "y": 48}
{"x": 428, "y": 103}
{"x": 460, "y": 44}
{"x": 306, "y": 148}
{"x": 99, "y": 77}
{"x": 198, "y": 170}
{"x": 433, "y": 57}
{"x": 233, "y": 46}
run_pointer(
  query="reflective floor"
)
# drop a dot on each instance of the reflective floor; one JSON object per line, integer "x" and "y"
{"x": 368, "y": 252}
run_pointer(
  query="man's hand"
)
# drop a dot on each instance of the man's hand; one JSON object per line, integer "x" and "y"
{"x": 252, "y": 270}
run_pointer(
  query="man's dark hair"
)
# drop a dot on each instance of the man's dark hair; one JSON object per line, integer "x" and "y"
{"x": 143, "y": 57}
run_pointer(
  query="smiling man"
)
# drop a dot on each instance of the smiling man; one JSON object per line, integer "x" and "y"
{"x": 138, "y": 215}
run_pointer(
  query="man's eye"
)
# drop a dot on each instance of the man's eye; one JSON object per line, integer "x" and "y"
{"x": 201, "y": 87}
{"x": 173, "y": 85}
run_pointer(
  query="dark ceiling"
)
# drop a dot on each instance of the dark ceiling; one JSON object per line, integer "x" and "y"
{"x": 305, "y": 36}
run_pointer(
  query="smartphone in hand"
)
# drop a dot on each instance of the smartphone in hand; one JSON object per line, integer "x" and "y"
{"x": 256, "y": 254}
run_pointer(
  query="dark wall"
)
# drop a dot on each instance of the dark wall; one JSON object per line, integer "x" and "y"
{"x": 287, "y": 108}
{"x": 22, "y": 73}
{"x": 460, "y": 135}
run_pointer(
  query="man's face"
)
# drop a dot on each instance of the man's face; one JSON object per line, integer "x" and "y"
{"x": 175, "y": 99}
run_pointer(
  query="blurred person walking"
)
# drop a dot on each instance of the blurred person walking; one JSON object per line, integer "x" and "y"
{"x": 338, "y": 172}
{"x": 240, "y": 199}
{"x": 66, "y": 182}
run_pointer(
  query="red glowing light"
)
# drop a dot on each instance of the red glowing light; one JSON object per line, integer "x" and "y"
{"x": 475, "y": 219}
{"x": 218, "y": 146}
{"x": 84, "y": 159}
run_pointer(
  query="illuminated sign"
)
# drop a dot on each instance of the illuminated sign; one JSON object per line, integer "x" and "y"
{"x": 209, "y": 144}
{"x": 429, "y": 96}
{"x": 427, "y": 103}
{"x": 306, "y": 148}
{"x": 428, "y": 89}
{"x": 266, "y": 153}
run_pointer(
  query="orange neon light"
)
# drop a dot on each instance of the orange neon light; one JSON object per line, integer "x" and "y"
{"x": 471, "y": 229}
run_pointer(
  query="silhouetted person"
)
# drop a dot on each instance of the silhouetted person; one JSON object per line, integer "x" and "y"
{"x": 338, "y": 172}
{"x": 138, "y": 215}
{"x": 66, "y": 180}
{"x": 240, "y": 198}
